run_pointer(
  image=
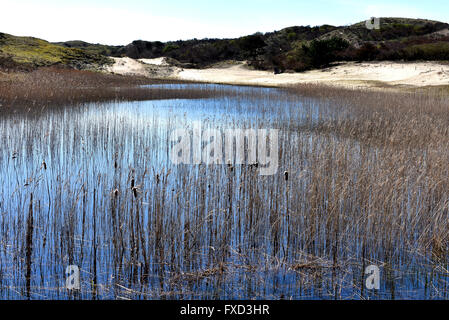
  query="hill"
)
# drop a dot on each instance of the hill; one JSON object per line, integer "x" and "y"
{"x": 99, "y": 49}
{"x": 29, "y": 53}
{"x": 296, "y": 48}
{"x": 301, "y": 47}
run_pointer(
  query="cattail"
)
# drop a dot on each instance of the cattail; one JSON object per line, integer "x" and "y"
{"x": 115, "y": 161}
{"x": 135, "y": 192}
{"x": 133, "y": 187}
{"x": 44, "y": 165}
{"x": 286, "y": 175}
{"x": 254, "y": 165}
{"x": 230, "y": 166}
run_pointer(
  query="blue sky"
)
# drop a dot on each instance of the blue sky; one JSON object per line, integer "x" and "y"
{"x": 120, "y": 22}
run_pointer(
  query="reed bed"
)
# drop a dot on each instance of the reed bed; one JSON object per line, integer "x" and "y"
{"x": 363, "y": 179}
{"x": 56, "y": 86}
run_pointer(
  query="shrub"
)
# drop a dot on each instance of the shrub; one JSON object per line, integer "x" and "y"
{"x": 429, "y": 51}
{"x": 323, "y": 52}
{"x": 250, "y": 44}
{"x": 367, "y": 52}
{"x": 170, "y": 47}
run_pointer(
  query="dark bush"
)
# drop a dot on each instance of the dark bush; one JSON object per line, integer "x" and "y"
{"x": 367, "y": 52}
{"x": 323, "y": 52}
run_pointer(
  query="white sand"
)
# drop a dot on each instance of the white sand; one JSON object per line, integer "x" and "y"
{"x": 152, "y": 68}
{"x": 350, "y": 74}
{"x": 157, "y": 62}
{"x": 127, "y": 66}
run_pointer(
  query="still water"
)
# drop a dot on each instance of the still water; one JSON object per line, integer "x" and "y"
{"x": 94, "y": 186}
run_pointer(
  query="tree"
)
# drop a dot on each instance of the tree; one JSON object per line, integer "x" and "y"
{"x": 323, "y": 52}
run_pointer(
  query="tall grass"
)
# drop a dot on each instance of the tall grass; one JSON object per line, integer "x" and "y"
{"x": 363, "y": 179}
{"x": 56, "y": 85}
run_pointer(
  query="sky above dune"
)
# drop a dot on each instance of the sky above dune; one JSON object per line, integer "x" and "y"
{"x": 120, "y": 22}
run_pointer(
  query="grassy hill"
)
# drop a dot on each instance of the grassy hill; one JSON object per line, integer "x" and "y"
{"x": 392, "y": 29}
{"x": 91, "y": 48}
{"x": 301, "y": 47}
{"x": 295, "y": 48}
{"x": 29, "y": 53}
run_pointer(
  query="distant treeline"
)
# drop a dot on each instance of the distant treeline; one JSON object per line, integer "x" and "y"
{"x": 294, "y": 48}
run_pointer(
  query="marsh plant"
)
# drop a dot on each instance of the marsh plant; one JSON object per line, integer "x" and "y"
{"x": 362, "y": 179}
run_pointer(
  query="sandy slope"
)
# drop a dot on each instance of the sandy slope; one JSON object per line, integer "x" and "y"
{"x": 153, "y": 68}
{"x": 127, "y": 66}
{"x": 367, "y": 74}
{"x": 157, "y": 62}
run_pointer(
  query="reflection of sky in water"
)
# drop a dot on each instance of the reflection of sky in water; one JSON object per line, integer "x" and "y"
{"x": 211, "y": 86}
{"x": 81, "y": 144}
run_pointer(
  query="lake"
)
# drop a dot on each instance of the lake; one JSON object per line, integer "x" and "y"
{"x": 95, "y": 186}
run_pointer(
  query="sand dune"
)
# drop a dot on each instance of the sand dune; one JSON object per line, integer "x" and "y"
{"x": 350, "y": 74}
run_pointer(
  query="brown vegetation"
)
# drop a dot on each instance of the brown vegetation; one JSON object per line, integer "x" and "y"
{"x": 56, "y": 85}
{"x": 367, "y": 183}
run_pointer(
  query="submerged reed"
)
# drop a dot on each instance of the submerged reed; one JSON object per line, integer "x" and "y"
{"x": 363, "y": 179}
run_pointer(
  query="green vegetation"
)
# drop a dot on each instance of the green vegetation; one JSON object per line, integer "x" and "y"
{"x": 170, "y": 47}
{"x": 294, "y": 48}
{"x": 98, "y": 49}
{"x": 304, "y": 47}
{"x": 31, "y": 52}
{"x": 322, "y": 52}
{"x": 429, "y": 51}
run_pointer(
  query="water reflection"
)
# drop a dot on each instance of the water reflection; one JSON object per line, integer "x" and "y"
{"x": 94, "y": 186}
